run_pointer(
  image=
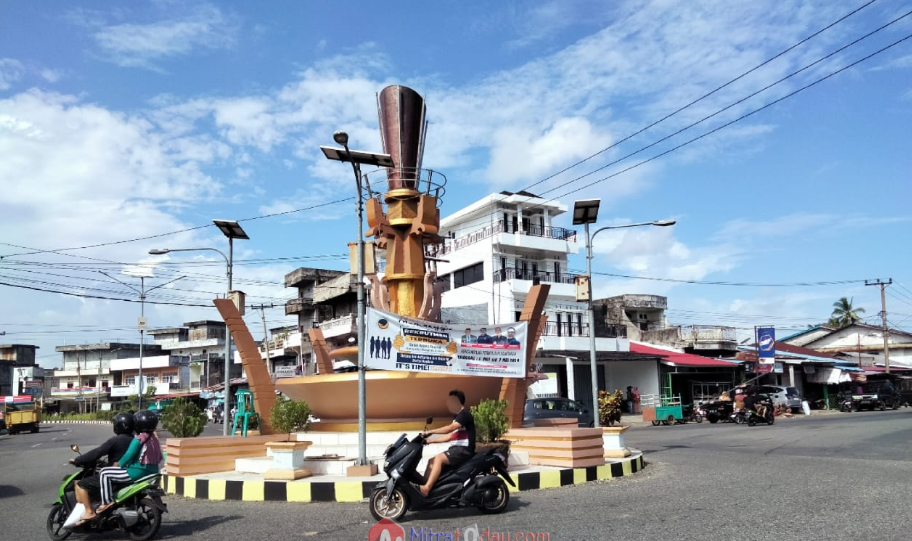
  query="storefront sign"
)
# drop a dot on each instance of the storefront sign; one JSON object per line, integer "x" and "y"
{"x": 413, "y": 345}
{"x": 766, "y": 344}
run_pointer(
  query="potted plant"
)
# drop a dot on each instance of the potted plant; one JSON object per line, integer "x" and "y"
{"x": 610, "y": 405}
{"x": 491, "y": 423}
{"x": 288, "y": 456}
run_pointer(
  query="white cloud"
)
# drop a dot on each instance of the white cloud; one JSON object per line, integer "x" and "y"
{"x": 527, "y": 153}
{"x": 51, "y": 75}
{"x": 11, "y": 70}
{"x": 141, "y": 45}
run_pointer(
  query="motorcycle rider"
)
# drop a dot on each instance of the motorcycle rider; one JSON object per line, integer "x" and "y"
{"x": 755, "y": 402}
{"x": 114, "y": 448}
{"x": 461, "y": 432}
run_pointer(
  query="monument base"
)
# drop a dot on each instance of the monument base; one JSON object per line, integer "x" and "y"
{"x": 362, "y": 471}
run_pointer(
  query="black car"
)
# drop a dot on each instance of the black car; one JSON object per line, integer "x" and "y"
{"x": 876, "y": 395}
{"x": 556, "y": 408}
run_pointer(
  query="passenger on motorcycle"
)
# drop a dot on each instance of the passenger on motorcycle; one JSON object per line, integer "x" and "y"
{"x": 114, "y": 449}
{"x": 757, "y": 403}
{"x": 461, "y": 432}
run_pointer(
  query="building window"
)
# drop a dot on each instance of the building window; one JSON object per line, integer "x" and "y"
{"x": 69, "y": 385}
{"x": 150, "y": 380}
{"x": 468, "y": 275}
{"x": 104, "y": 383}
{"x": 131, "y": 380}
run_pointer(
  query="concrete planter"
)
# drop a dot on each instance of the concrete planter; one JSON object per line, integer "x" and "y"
{"x": 287, "y": 460}
{"x": 613, "y": 442}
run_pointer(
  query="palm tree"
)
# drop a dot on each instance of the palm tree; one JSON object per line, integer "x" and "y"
{"x": 844, "y": 314}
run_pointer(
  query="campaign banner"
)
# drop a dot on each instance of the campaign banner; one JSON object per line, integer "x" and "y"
{"x": 395, "y": 342}
{"x": 766, "y": 344}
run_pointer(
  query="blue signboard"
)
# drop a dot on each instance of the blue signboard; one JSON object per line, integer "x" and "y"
{"x": 766, "y": 344}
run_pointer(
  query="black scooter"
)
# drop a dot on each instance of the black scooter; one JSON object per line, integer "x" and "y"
{"x": 476, "y": 483}
{"x": 753, "y": 418}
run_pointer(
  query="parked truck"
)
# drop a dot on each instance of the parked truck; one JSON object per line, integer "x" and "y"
{"x": 18, "y": 415}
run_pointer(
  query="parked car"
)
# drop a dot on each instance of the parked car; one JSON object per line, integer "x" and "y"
{"x": 788, "y": 396}
{"x": 778, "y": 394}
{"x": 557, "y": 408}
{"x": 876, "y": 395}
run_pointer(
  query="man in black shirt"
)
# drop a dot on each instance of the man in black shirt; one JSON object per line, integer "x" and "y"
{"x": 461, "y": 432}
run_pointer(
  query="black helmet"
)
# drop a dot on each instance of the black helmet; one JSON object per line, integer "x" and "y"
{"x": 123, "y": 423}
{"x": 145, "y": 420}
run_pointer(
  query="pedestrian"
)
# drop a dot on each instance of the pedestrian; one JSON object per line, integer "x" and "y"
{"x": 630, "y": 399}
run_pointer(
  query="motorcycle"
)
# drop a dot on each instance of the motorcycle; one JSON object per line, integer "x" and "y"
{"x": 476, "y": 483}
{"x": 751, "y": 417}
{"x": 137, "y": 510}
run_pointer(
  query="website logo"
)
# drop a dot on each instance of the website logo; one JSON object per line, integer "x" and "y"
{"x": 386, "y": 530}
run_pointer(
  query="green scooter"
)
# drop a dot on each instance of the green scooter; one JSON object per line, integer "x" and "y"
{"x": 137, "y": 510}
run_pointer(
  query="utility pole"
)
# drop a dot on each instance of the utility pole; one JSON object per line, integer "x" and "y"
{"x": 883, "y": 315}
{"x": 262, "y": 308}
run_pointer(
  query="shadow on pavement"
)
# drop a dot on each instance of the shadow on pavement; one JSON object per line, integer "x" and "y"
{"x": 458, "y": 512}
{"x": 177, "y": 529}
{"x": 8, "y": 491}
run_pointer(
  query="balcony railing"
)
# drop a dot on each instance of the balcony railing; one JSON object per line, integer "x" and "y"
{"x": 339, "y": 326}
{"x": 504, "y": 226}
{"x": 566, "y": 328}
{"x": 503, "y": 275}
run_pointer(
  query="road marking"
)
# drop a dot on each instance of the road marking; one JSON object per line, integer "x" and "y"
{"x": 36, "y": 445}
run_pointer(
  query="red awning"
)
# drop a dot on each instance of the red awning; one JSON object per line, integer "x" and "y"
{"x": 882, "y": 370}
{"x": 674, "y": 358}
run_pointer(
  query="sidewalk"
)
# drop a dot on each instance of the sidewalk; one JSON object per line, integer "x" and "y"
{"x": 324, "y": 488}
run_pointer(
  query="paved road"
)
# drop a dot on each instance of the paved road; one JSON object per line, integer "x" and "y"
{"x": 834, "y": 477}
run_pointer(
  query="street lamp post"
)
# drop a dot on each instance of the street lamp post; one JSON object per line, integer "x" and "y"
{"x": 585, "y": 212}
{"x": 232, "y": 230}
{"x": 142, "y": 321}
{"x": 356, "y": 158}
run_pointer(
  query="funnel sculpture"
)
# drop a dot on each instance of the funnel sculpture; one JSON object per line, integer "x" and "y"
{"x": 409, "y": 223}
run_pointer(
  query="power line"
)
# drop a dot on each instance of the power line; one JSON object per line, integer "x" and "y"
{"x": 703, "y": 97}
{"x": 100, "y": 297}
{"x": 159, "y": 235}
{"x": 727, "y": 124}
{"x": 733, "y": 284}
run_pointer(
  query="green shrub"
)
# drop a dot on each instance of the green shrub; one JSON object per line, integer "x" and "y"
{"x": 491, "y": 421}
{"x": 183, "y": 419}
{"x": 289, "y": 416}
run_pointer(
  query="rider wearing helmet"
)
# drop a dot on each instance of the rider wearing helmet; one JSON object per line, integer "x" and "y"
{"x": 114, "y": 449}
{"x": 141, "y": 459}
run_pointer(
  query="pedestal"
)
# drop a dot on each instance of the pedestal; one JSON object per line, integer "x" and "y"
{"x": 362, "y": 471}
{"x": 613, "y": 442}
{"x": 287, "y": 460}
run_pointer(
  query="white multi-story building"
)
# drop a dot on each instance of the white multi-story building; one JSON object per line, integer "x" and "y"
{"x": 167, "y": 374}
{"x": 201, "y": 345}
{"x": 498, "y": 248}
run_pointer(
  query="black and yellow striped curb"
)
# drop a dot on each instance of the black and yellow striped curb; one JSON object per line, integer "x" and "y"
{"x": 355, "y": 491}
{"x": 75, "y": 422}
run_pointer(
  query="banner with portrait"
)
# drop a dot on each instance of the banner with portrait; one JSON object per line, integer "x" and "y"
{"x": 395, "y": 342}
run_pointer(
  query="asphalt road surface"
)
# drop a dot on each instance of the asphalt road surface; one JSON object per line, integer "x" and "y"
{"x": 829, "y": 476}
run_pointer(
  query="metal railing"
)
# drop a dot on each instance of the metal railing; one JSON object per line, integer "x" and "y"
{"x": 567, "y": 328}
{"x": 506, "y": 226}
{"x": 502, "y": 275}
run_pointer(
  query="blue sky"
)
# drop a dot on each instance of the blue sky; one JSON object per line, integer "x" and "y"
{"x": 122, "y": 121}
